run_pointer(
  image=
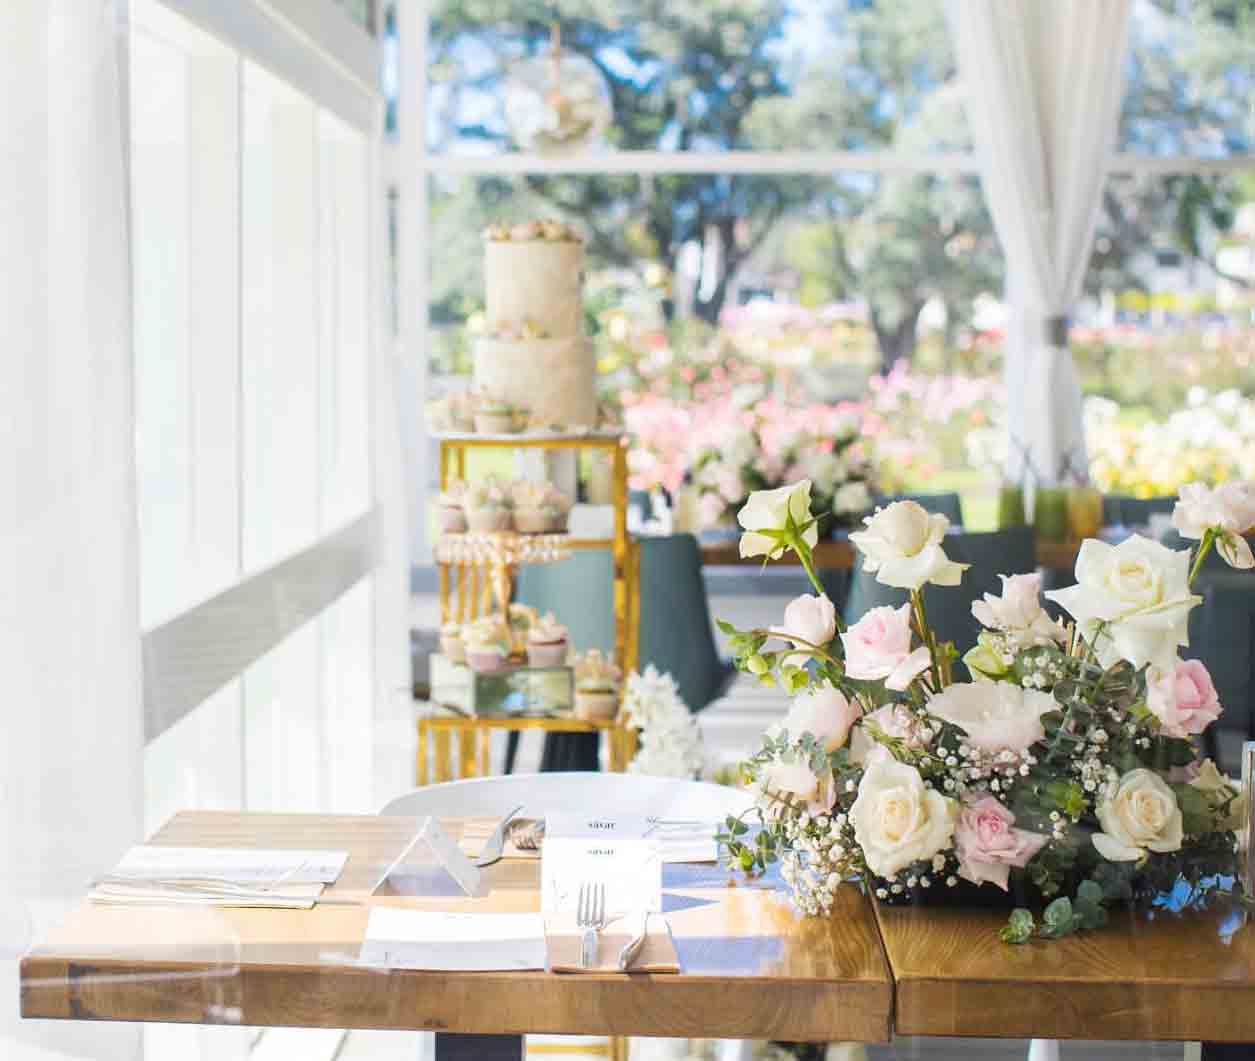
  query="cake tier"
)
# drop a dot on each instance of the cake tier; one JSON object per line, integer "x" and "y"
{"x": 535, "y": 280}
{"x": 554, "y": 378}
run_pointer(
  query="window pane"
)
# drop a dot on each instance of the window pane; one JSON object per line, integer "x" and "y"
{"x": 1191, "y": 79}
{"x": 707, "y": 75}
{"x": 1164, "y": 341}
{"x": 184, "y": 158}
{"x": 842, "y": 274}
{"x": 280, "y": 353}
{"x": 344, "y": 313}
{"x": 346, "y": 632}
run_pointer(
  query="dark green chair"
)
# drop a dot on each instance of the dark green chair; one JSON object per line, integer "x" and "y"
{"x": 1222, "y": 635}
{"x": 990, "y": 554}
{"x": 675, "y": 630}
{"x": 1121, "y": 510}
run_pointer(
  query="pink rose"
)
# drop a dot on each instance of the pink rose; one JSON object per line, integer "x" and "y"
{"x": 893, "y": 720}
{"x": 878, "y": 647}
{"x": 1183, "y": 699}
{"x": 799, "y": 781}
{"x": 988, "y": 845}
{"x": 808, "y": 618}
{"x": 825, "y": 713}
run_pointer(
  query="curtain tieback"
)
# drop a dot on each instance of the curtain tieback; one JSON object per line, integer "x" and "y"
{"x": 1054, "y": 330}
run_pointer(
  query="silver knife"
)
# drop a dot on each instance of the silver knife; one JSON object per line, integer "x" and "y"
{"x": 495, "y": 844}
{"x": 633, "y": 947}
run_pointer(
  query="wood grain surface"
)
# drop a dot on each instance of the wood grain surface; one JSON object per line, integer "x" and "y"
{"x": 752, "y": 968}
{"x": 1175, "y": 976}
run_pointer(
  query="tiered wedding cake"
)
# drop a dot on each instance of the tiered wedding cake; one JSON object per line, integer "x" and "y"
{"x": 535, "y": 353}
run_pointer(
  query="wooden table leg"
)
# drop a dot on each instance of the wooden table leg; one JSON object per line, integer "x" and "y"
{"x": 450, "y": 1047}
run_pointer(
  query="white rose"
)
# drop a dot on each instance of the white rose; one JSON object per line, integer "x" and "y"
{"x": 798, "y": 781}
{"x": 769, "y": 511}
{"x": 898, "y": 820}
{"x": 852, "y": 497}
{"x": 808, "y": 618}
{"x": 1229, "y": 510}
{"x": 902, "y": 545}
{"x": 1018, "y": 612}
{"x": 825, "y": 713}
{"x": 994, "y": 715}
{"x": 1137, "y": 594}
{"x": 1138, "y": 814}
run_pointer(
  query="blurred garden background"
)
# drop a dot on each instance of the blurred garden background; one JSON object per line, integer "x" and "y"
{"x": 872, "y": 295}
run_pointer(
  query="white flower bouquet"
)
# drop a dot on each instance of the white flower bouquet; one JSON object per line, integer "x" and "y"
{"x": 669, "y": 742}
{"x": 1066, "y": 773}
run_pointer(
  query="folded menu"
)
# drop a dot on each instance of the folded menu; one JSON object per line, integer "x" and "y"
{"x": 627, "y": 869}
{"x": 420, "y": 939}
{"x": 212, "y": 876}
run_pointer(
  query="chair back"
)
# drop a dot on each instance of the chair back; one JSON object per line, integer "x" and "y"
{"x": 1222, "y": 635}
{"x": 579, "y": 591}
{"x": 541, "y": 794}
{"x": 1122, "y": 510}
{"x": 676, "y": 634}
{"x": 990, "y": 553}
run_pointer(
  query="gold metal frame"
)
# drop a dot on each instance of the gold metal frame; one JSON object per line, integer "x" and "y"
{"x": 467, "y": 591}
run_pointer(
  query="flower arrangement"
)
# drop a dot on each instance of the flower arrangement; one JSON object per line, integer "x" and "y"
{"x": 670, "y": 744}
{"x": 736, "y": 452}
{"x": 1068, "y": 771}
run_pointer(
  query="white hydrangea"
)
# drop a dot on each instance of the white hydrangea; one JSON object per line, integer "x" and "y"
{"x": 669, "y": 744}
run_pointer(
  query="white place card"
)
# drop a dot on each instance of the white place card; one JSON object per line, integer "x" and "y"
{"x": 630, "y": 868}
{"x": 428, "y": 864}
{"x": 239, "y": 865}
{"x": 679, "y": 839}
{"x": 419, "y": 939}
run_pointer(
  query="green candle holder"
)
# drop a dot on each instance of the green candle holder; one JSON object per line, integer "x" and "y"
{"x": 1050, "y": 513}
{"x": 1011, "y": 507}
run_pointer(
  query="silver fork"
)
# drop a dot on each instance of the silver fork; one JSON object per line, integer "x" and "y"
{"x": 590, "y": 915}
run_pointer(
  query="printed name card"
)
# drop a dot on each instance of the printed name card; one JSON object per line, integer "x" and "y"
{"x": 679, "y": 840}
{"x": 419, "y": 939}
{"x": 628, "y": 866}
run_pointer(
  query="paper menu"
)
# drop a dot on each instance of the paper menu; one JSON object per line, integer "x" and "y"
{"x": 419, "y": 939}
{"x": 239, "y": 865}
{"x": 630, "y": 867}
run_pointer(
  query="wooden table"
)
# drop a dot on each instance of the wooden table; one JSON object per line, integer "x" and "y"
{"x": 839, "y": 554}
{"x": 1186, "y": 977}
{"x": 752, "y": 968}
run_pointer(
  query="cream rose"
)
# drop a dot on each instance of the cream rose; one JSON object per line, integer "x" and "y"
{"x": 765, "y": 516}
{"x": 798, "y": 781}
{"x": 1228, "y": 510}
{"x": 902, "y": 545}
{"x": 1183, "y": 698}
{"x": 825, "y": 713}
{"x": 809, "y": 619}
{"x": 1132, "y": 601}
{"x": 996, "y": 716}
{"x": 898, "y": 819}
{"x": 878, "y": 648}
{"x": 1018, "y": 612}
{"x": 1138, "y": 814}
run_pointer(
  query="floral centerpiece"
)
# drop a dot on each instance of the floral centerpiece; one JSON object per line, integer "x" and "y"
{"x": 1066, "y": 773}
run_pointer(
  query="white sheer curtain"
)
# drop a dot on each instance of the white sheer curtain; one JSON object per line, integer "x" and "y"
{"x": 70, "y": 752}
{"x": 1043, "y": 84}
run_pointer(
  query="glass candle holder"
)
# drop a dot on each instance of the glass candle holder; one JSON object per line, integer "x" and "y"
{"x": 1050, "y": 513}
{"x": 1011, "y": 507}
{"x": 1084, "y": 512}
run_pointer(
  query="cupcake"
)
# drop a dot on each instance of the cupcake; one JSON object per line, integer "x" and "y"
{"x": 488, "y": 507}
{"x": 597, "y": 680}
{"x": 539, "y": 508}
{"x": 495, "y": 416}
{"x": 451, "y": 643}
{"x": 453, "y": 412}
{"x": 486, "y": 644}
{"x": 547, "y": 643}
{"x": 453, "y": 507}
{"x": 520, "y": 618}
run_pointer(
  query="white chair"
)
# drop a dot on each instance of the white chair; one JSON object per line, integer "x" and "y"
{"x": 539, "y": 794}
{"x": 628, "y": 794}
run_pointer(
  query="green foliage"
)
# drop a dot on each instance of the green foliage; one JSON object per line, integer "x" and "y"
{"x": 1019, "y": 927}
